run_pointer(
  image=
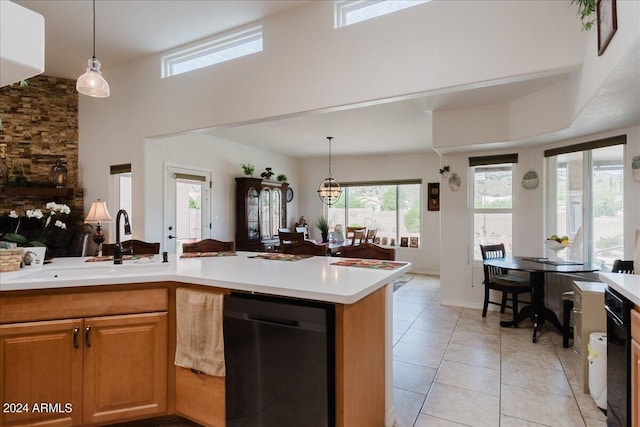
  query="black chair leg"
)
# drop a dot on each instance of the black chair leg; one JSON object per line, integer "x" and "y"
{"x": 515, "y": 309}
{"x": 504, "y": 302}
{"x": 567, "y": 306}
{"x": 486, "y": 301}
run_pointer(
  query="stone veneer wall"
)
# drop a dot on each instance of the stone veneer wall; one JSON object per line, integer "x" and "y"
{"x": 39, "y": 126}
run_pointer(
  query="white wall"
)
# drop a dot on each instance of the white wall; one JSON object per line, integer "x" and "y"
{"x": 307, "y": 65}
{"x": 461, "y": 279}
{"x": 424, "y": 166}
{"x": 224, "y": 159}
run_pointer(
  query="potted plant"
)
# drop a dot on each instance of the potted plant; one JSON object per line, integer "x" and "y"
{"x": 267, "y": 174}
{"x": 445, "y": 171}
{"x": 282, "y": 178}
{"x": 586, "y": 9}
{"x": 323, "y": 225}
{"x": 248, "y": 169}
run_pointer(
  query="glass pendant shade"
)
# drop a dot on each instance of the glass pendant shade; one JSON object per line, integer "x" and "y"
{"x": 91, "y": 83}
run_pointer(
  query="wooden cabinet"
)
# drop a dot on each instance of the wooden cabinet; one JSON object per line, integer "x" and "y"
{"x": 83, "y": 371}
{"x": 635, "y": 367}
{"x": 41, "y": 365}
{"x": 261, "y": 210}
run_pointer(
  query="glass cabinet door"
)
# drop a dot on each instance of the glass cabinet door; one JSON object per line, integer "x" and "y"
{"x": 253, "y": 213}
{"x": 276, "y": 211}
{"x": 265, "y": 202}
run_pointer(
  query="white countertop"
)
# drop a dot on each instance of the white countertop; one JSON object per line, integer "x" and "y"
{"x": 313, "y": 278}
{"x": 626, "y": 284}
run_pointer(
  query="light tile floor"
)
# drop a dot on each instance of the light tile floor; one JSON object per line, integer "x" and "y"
{"x": 452, "y": 367}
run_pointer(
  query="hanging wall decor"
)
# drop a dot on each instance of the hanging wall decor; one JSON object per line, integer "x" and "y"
{"x": 454, "y": 182}
{"x": 530, "y": 180}
{"x": 635, "y": 167}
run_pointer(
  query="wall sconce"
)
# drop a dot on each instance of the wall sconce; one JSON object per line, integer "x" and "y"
{"x": 59, "y": 174}
{"x": 98, "y": 213}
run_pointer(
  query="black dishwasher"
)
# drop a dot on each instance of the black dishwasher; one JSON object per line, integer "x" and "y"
{"x": 279, "y": 355}
{"x": 618, "y": 310}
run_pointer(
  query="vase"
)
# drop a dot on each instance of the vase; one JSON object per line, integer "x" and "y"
{"x": 325, "y": 237}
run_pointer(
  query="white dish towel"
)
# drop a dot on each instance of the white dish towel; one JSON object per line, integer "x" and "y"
{"x": 200, "y": 342}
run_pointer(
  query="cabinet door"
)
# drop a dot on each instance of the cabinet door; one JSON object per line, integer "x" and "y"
{"x": 41, "y": 365}
{"x": 125, "y": 367}
{"x": 635, "y": 382}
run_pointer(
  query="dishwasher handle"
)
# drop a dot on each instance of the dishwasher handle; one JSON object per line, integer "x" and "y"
{"x": 613, "y": 316}
{"x": 272, "y": 320}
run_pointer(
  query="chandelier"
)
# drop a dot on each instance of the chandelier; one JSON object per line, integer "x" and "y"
{"x": 91, "y": 83}
{"x": 329, "y": 190}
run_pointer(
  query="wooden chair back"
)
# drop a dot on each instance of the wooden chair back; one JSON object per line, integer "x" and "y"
{"x": 305, "y": 247}
{"x": 208, "y": 245}
{"x": 371, "y": 235}
{"x": 290, "y": 237}
{"x": 624, "y": 267}
{"x": 369, "y": 251}
{"x": 357, "y": 237}
{"x": 133, "y": 247}
{"x": 492, "y": 252}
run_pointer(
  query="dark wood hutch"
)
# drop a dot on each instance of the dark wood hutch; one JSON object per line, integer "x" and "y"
{"x": 261, "y": 210}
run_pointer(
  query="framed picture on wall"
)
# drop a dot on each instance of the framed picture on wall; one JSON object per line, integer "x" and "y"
{"x": 413, "y": 242}
{"x": 433, "y": 202}
{"x": 607, "y": 23}
{"x": 404, "y": 242}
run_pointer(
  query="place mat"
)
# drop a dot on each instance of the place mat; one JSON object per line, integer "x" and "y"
{"x": 207, "y": 254}
{"x": 371, "y": 263}
{"x": 282, "y": 257}
{"x": 124, "y": 257}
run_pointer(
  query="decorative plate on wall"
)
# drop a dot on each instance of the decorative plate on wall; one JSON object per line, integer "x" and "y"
{"x": 530, "y": 180}
{"x": 289, "y": 194}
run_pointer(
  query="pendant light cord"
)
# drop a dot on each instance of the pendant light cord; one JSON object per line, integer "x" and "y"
{"x": 94, "y": 29}
{"x": 329, "y": 138}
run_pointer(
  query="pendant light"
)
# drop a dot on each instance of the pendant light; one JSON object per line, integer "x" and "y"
{"x": 91, "y": 83}
{"x": 329, "y": 190}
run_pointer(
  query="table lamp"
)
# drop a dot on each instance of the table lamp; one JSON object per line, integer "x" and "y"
{"x": 98, "y": 213}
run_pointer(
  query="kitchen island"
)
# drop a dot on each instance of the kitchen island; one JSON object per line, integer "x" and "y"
{"x": 137, "y": 299}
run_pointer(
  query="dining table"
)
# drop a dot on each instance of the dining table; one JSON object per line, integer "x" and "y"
{"x": 537, "y": 268}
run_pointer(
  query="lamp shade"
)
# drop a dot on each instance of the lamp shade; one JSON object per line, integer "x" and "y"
{"x": 91, "y": 83}
{"x": 98, "y": 212}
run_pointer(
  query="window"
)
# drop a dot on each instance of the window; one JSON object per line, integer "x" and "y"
{"x": 213, "y": 51}
{"x": 352, "y": 12}
{"x": 391, "y": 208}
{"x": 121, "y": 179}
{"x": 492, "y": 205}
{"x": 586, "y": 200}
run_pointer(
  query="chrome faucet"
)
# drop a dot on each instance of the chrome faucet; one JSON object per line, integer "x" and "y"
{"x": 117, "y": 255}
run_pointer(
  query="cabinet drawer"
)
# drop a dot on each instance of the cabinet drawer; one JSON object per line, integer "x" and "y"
{"x": 200, "y": 398}
{"x": 74, "y": 305}
{"x": 635, "y": 324}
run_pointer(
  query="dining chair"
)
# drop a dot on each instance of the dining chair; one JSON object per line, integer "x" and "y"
{"x": 624, "y": 267}
{"x": 358, "y": 237}
{"x": 133, "y": 247}
{"x": 371, "y": 235}
{"x": 349, "y": 231}
{"x": 208, "y": 245}
{"x": 368, "y": 251}
{"x": 288, "y": 238}
{"x": 497, "y": 279}
{"x": 305, "y": 247}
